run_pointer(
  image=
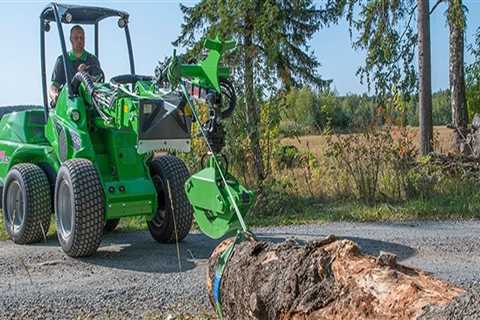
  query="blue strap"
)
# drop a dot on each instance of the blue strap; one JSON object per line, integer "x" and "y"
{"x": 219, "y": 269}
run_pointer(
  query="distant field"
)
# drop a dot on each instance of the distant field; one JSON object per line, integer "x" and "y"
{"x": 317, "y": 143}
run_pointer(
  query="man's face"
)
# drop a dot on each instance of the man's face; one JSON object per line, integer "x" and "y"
{"x": 78, "y": 40}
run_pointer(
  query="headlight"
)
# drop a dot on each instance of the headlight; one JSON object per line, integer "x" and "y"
{"x": 122, "y": 23}
{"x": 68, "y": 18}
{"x": 75, "y": 115}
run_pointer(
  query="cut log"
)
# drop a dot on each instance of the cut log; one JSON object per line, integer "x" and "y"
{"x": 327, "y": 279}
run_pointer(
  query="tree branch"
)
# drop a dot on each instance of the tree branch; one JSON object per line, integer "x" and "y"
{"x": 436, "y": 5}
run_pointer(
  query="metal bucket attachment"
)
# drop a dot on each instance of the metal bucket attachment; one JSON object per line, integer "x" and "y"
{"x": 163, "y": 125}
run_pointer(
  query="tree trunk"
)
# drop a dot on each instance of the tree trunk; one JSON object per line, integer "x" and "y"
{"x": 456, "y": 23}
{"x": 253, "y": 110}
{"x": 425, "y": 77}
{"x": 325, "y": 279}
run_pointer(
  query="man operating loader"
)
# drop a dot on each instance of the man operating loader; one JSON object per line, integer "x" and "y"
{"x": 79, "y": 60}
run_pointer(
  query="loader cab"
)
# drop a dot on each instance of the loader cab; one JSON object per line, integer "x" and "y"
{"x": 58, "y": 14}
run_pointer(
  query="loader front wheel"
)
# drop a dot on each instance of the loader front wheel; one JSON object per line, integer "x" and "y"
{"x": 26, "y": 203}
{"x": 174, "y": 215}
{"x": 79, "y": 208}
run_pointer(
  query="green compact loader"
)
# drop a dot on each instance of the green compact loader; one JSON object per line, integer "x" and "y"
{"x": 93, "y": 157}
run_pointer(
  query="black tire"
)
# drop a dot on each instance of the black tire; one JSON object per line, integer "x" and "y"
{"x": 79, "y": 208}
{"x": 26, "y": 191}
{"x": 111, "y": 225}
{"x": 168, "y": 226}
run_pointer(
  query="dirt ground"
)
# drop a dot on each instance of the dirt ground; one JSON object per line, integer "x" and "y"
{"x": 133, "y": 277}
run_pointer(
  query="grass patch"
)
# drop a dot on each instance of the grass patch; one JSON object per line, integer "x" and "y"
{"x": 297, "y": 210}
{"x": 4, "y": 235}
{"x": 458, "y": 206}
{"x": 354, "y": 211}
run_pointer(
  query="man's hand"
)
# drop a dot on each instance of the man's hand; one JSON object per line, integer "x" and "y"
{"x": 54, "y": 93}
{"x": 82, "y": 67}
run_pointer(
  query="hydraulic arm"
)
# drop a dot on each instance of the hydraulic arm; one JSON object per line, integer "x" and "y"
{"x": 219, "y": 201}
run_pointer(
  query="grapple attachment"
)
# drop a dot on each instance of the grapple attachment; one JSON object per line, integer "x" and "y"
{"x": 213, "y": 208}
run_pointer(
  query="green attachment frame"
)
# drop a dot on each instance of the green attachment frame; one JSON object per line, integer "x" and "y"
{"x": 208, "y": 72}
{"x": 213, "y": 207}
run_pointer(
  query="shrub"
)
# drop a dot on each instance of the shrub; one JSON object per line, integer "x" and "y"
{"x": 363, "y": 157}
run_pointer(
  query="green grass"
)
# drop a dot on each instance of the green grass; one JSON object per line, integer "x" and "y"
{"x": 354, "y": 211}
{"x": 437, "y": 207}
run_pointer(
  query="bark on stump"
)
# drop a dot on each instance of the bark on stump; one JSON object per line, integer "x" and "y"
{"x": 327, "y": 279}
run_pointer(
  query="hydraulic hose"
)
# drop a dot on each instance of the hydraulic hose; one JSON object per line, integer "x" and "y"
{"x": 83, "y": 77}
{"x": 228, "y": 91}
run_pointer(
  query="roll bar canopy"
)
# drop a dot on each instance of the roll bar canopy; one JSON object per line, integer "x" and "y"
{"x": 69, "y": 13}
{"x": 74, "y": 14}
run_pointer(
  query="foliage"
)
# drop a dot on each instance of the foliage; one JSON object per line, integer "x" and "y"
{"x": 383, "y": 165}
{"x": 441, "y": 111}
{"x": 304, "y": 111}
{"x": 407, "y": 187}
{"x": 363, "y": 157}
{"x": 472, "y": 78}
{"x": 280, "y": 33}
{"x": 272, "y": 50}
{"x": 384, "y": 30}
{"x": 399, "y": 177}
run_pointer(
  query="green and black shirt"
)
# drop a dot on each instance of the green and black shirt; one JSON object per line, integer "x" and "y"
{"x": 58, "y": 75}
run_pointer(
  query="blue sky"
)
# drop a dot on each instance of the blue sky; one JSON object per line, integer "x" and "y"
{"x": 154, "y": 25}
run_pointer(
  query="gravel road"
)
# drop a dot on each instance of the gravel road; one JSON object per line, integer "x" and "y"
{"x": 132, "y": 277}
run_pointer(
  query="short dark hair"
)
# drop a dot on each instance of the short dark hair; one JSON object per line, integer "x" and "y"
{"x": 75, "y": 28}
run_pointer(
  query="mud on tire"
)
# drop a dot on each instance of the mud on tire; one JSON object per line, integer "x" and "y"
{"x": 79, "y": 208}
{"x": 27, "y": 205}
{"x": 168, "y": 226}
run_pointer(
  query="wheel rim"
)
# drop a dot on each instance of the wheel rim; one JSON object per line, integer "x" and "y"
{"x": 160, "y": 217}
{"x": 15, "y": 208}
{"x": 64, "y": 210}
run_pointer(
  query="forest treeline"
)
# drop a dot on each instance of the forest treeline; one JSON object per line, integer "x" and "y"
{"x": 309, "y": 112}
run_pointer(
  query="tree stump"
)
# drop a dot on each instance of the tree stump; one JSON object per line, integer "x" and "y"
{"x": 327, "y": 279}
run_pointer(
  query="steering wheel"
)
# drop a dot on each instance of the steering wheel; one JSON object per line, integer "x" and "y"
{"x": 130, "y": 78}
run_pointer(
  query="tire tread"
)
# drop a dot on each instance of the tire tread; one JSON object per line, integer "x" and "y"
{"x": 89, "y": 203}
{"x": 173, "y": 170}
{"x": 38, "y": 203}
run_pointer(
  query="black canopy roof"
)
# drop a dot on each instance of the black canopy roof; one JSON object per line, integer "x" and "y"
{"x": 81, "y": 14}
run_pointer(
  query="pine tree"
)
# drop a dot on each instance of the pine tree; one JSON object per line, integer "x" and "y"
{"x": 272, "y": 49}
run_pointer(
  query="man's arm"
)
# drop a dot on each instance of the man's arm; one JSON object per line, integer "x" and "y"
{"x": 58, "y": 79}
{"x": 54, "y": 92}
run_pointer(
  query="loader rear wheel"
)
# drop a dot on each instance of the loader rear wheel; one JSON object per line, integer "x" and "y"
{"x": 170, "y": 225}
{"x": 27, "y": 203}
{"x": 79, "y": 208}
